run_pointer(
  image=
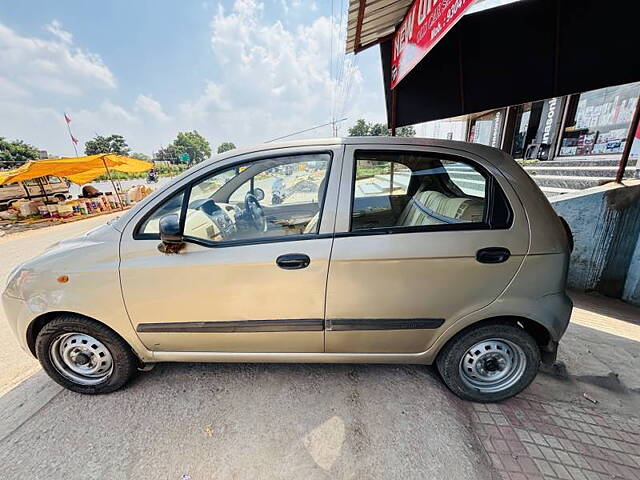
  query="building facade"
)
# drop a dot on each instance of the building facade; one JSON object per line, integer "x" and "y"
{"x": 589, "y": 125}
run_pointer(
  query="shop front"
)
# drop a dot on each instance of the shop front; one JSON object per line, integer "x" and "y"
{"x": 598, "y": 122}
{"x": 487, "y": 128}
{"x": 592, "y": 124}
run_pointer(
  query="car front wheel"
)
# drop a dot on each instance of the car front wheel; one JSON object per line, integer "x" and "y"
{"x": 84, "y": 356}
{"x": 489, "y": 363}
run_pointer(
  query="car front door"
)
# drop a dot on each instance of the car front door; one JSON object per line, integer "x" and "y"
{"x": 443, "y": 242}
{"x": 238, "y": 284}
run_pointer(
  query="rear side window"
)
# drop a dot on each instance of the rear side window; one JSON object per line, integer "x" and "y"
{"x": 409, "y": 190}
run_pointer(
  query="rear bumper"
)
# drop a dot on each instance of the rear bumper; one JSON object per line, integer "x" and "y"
{"x": 559, "y": 306}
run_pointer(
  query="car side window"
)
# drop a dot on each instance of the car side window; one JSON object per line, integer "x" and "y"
{"x": 288, "y": 184}
{"x": 375, "y": 177}
{"x": 273, "y": 197}
{"x": 427, "y": 190}
{"x": 171, "y": 206}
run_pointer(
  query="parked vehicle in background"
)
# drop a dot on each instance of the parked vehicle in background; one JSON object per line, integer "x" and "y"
{"x": 388, "y": 250}
{"x": 38, "y": 188}
{"x": 152, "y": 176}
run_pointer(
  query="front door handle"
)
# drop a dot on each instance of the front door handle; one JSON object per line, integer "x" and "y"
{"x": 493, "y": 255}
{"x": 293, "y": 261}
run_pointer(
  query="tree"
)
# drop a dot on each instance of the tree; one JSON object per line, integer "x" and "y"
{"x": 360, "y": 129}
{"x": 379, "y": 130}
{"x": 408, "y": 131}
{"x": 169, "y": 153}
{"x": 194, "y": 144}
{"x": 111, "y": 144}
{"x": 364, "y": 129}
{"x": 14, "y": 154}
{"x": 226, "y": 146}
{"x": 139, "y": 156}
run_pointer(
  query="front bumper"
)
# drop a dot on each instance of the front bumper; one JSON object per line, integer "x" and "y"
{"x": 19, "y": 317}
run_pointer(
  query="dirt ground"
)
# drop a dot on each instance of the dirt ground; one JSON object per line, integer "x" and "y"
{"x": 577, "y": 420}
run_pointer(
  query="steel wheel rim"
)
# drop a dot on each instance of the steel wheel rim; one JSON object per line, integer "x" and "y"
{"x": 81, "y": 358}
{"x": 492, "y": 365}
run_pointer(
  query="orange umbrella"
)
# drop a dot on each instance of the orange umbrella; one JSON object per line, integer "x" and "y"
{"x": 79, "y": 170}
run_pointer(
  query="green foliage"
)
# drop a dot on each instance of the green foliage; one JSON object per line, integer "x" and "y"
{"x": 364, "y": 129}
{"x": 408, "y": 131}
{"x": 377, "y": 168}
{"x": 14, "y": 154}
{"x": 194, "y": 144}
{"x": 226, "y": 146}
{"x": 162, "y": 170}
{"x": 191, "y": 143}
{"x": 140, "y": 156}
{"x": 360, "y": 129}
{"x": 111, "y": 144}
{"x": 169, "y": 153}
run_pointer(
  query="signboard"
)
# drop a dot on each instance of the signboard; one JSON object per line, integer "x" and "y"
{"x": 549, "y": 127}
{"x": 425, "y": 23}
{"x": 184, "y": 157}
{"x": 635, "y": 146}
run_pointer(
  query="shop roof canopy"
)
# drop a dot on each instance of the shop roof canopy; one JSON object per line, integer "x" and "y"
{"x": 79, "y": 170}
{"x": 520, "y": 52}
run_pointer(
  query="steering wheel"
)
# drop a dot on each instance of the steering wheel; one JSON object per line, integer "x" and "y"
{"x": 255, "y": 212}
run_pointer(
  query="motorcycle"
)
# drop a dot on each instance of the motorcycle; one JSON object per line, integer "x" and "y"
{"x": 277, "y": 197}
{"x": 277, "y": 191}
{"x": 152, "y": 177}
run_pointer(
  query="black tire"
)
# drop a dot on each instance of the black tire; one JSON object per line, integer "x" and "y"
{"x": 450, "y": 358}
{"x": 124, "y": 361}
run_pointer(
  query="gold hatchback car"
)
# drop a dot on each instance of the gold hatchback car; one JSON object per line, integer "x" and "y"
{"x": 381, "y": 250}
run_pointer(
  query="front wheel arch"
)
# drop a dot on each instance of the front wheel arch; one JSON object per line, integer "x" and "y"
{"x": 38, "y": 323}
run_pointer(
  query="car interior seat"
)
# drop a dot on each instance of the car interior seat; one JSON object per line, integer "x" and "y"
{"x": 429, "y": 207}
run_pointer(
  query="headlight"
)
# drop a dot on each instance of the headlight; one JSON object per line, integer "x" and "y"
{"x": 12, "y": 274}
{"x": 15, "y": 281}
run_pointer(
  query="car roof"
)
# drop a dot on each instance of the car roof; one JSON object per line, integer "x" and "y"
{"x": 474, "y": 148}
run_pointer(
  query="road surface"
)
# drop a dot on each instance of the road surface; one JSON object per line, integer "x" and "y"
{"x": 303, "y": 421}
{"x": 228, "y": 421}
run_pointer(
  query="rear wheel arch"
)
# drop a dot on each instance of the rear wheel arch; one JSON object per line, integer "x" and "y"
{"x": 538, "y": 331}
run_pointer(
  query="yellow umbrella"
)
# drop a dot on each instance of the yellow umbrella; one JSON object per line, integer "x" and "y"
{"x": 79, "y": 170}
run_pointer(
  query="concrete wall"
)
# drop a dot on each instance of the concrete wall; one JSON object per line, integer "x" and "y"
{"x": 605, "y": 222}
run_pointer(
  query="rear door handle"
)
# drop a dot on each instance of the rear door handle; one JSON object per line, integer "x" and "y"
{"x": 293, "y": 261}
{"x": 493, "y": 255}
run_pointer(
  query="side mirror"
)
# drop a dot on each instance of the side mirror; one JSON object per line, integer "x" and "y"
{"x": 170, "y": 229}
{"x": 259, "y": 194}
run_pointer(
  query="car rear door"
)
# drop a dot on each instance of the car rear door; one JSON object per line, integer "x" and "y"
{"x": 450, "y": 249}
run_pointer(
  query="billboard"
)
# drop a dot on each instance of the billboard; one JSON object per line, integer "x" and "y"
{"x": 425, "y": 23}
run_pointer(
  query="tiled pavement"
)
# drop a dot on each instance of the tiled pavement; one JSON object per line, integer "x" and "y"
{"x": 530, "y": 439}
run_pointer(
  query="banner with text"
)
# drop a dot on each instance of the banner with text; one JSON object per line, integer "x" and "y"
{"x": 425, "y": 23}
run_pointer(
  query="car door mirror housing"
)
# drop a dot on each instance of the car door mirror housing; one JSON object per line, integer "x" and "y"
{"x": 170, "y": 229}
{"x": 172, "y": 240}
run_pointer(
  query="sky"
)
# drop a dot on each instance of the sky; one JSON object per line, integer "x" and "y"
{"x": 245, "y": 71}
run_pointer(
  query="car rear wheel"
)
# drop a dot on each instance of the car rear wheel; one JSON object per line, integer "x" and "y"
{"x": 489, "y": 363}
{"x": 84, "y": 356}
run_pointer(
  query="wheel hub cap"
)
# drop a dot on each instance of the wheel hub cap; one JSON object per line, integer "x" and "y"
{"x": 81, "y": 358}
{"x": 492, "y": 365}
